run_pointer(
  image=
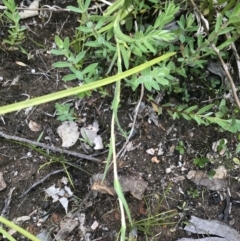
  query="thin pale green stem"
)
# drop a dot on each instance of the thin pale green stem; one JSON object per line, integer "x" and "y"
{"x": 65, "y": 93}
{"x": 7, "y": 235}
{"x": 22, "y": 231}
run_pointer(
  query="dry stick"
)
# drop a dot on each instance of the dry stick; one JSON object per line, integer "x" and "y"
{"x": 203, "y": 20}
{"x": 7, "y": 201}
{"x": 47, "y": 8}
{"x": 41, "y": 181}
{"x": 236, "y": 54}
{"x": 234, "y": 90}
{"x": 53, "y": 8}
{"x": 134, "y": 121}
{"x": 51, "y": 148}
{"x": 227, "y": 209}
{"x": 51, "y": 174}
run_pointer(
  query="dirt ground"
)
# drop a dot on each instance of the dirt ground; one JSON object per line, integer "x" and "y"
{"x": 167, "y": 185}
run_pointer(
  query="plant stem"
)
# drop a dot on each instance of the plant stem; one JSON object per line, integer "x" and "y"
{"x": 18, "y": 229}
{"x": 234, "y": 90}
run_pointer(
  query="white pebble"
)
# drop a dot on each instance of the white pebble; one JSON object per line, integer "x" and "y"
{"x": 168, "y": 170}
{"x": 94, "y": 225}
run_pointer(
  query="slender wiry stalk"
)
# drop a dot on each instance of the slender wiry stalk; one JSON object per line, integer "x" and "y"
{"x": 234, "y": 90}
{"x": 18, "y": 229}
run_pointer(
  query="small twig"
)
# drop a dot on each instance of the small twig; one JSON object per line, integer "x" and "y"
{"x": 235, "y": 53}
{"x": 41, "y": 181}
{"x": 227, "y": 209}
{"x": 134, "y": 121}
{"x": 204, "y": 22}
{"x": 44, "y": 8}
{"x": 6, "y": 209}
{"x": 53, "y": 8}
{"x": 51, "y": 148}
{"x": 234, "y": 90}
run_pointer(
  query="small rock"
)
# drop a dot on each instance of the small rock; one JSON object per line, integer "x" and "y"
{"x": 155, "y": 160}
{"x": 150, "y": 151}
{"x": 94, "y": 225}
{"x": 168, "y": 170}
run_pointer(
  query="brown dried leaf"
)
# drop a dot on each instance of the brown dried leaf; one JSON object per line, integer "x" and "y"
{"x": 211, "y": 227}
{"x": 155, "y": 107}
{"x": 67, "y": 225}
{"x": 56, "y": 218}
{"x": 103, "y": 187}
{"x": 178, "y": 179}
{"x": 218, "y": 182}
{"x": 134, "y": 184}
{"x": 30, "y": 13}
{"x": 31, "y": 229}
{"x": 34, "y": 126}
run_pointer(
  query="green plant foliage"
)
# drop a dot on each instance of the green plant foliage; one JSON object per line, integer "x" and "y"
{"x": 184, "y": 207}
{"x": 148, "y": 224}
{"x": 238, "y": 145}
{"x": 180, "y": 147}
{"x": 156, "y": 78}
{"x": 155, "y": 217}
{"x": 16, "y": 31}
{"x": 211, "y": 174}
{"x": 193, "y": 193}
{"x": 74, "y": 63}
{"x": 64, "y": 112}
{"x": 204, "y": 117}
{"x": 124, "y": 43}
{"x": 201, "y": 162}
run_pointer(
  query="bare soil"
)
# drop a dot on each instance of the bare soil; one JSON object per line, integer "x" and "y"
{"x": 21, "y": 164}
